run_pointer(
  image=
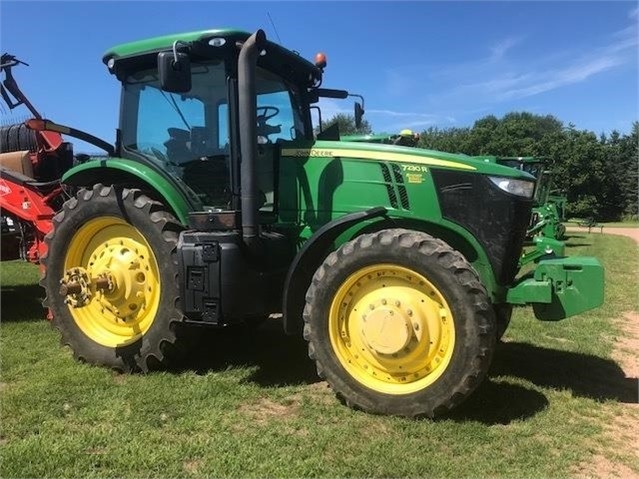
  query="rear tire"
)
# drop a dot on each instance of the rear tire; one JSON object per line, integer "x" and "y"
{"x": 399, "y": 323}
{"x": 132, "y": 239}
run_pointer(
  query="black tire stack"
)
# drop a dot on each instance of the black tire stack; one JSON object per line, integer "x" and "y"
{"x": 17, "y": 138}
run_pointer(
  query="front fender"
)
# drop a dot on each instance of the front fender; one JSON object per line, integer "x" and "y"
{"x": 120, "y": 170}
{"x": 307, "y": 260}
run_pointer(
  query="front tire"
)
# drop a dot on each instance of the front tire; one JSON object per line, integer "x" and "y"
{"x": 114, "y": 252}
{"x": 399, "y": 323}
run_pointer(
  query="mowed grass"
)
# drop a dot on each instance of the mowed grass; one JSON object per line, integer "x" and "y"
{"x": 248, "y": 403}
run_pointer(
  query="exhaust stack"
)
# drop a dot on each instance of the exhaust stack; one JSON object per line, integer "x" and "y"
{"x": 248, "y": 134}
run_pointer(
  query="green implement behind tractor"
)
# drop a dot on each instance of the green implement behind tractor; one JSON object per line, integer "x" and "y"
{"x": 218, "y": 205}
{"x": 548, "y": 212}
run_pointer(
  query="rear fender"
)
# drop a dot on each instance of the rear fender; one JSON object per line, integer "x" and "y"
{"x": 119, "y": 170}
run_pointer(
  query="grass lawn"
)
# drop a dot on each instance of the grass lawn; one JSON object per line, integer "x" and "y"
{"x": 249, "y": 404}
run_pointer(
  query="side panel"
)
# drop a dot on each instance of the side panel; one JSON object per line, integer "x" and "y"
{"x": 317, "y": 189}
{"x": 95, "y": 171}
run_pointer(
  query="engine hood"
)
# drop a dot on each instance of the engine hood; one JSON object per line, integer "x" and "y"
{"x": 400, "y": 154}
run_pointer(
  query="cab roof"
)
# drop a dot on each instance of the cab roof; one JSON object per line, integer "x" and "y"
{"x": 201, "y": 39}
{"x": 165, "y": 42}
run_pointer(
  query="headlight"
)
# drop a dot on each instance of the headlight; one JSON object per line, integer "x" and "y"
{"x": 514, "y": 187}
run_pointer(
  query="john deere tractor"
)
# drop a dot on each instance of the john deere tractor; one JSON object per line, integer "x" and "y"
{"x": 218, "y": 205}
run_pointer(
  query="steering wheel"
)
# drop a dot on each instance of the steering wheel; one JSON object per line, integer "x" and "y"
{"x": 265, "y": 115}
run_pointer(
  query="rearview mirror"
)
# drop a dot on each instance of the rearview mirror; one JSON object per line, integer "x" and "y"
{"x": 175, "y": 72}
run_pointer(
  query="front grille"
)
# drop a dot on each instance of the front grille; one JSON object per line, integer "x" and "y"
{"x": 497, "y": 219}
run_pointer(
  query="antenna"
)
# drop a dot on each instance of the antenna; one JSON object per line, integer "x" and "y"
{"x": 279, "y": 40}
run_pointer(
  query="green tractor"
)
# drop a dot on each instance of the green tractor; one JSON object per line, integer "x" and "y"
{"x": 548, "y": 212}
{"x": 218, "y": 205}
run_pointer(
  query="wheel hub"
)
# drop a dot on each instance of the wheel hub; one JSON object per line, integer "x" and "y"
{"x": 111, "y": 282}
{"x": 386, "y": 329}
{"x": 391, "y": 329}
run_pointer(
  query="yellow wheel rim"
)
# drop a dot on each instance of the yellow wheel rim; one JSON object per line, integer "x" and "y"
{"x": 110, "y": 247}
{"x": 391, "y": 329}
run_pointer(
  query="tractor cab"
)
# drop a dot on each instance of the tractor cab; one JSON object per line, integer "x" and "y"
{"x": 192, "y": 131}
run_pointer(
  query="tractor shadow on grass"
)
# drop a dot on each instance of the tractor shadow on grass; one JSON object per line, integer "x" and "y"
{"x": 499, "y": 402}
{"x": 21, "y": 303}
{"x": 583, "y": 374}
{"x": 279, "y": 360}
{"x": 574, "y": 241}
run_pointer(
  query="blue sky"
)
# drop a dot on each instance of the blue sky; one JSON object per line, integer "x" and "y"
{"x": 418, "y": 64}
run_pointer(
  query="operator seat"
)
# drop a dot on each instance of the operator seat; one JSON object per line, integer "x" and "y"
{"x": 178, "y": 145}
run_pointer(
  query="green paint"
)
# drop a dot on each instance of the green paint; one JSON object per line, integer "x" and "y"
{"x": 317, "y": 189}
{"x": 544, "y": 247}
{"x": 320, "y": 181}
{"x": 91, "y": 171}
{"x": 560, "y": 288}
{"x": 165, "y": 42}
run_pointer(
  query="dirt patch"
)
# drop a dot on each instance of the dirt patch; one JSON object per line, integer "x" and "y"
{"x": 119, "y": 378}
{"x": 621, "y": 436}
{"x": 265, "y": 410}
{"x": 192, "y": 466}
{"x": 319, "y": 392}
{"x": 627, "y": 345}
{"x": 601, "y": 467}
{"x": 96, "y": 451}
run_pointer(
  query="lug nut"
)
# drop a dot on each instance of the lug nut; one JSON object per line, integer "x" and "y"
{"x": 70, "y": 288}
{"x": 102, "y": 283}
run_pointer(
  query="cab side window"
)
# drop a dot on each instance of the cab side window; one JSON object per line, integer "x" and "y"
{"x": 278, "y": 112}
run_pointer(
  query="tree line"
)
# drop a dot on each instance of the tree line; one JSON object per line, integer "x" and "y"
{"x": 599, "y": 175}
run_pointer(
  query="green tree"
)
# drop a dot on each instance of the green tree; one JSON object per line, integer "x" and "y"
{"x": 626, "y": 164}
{"x": 346, "y": 123}
{"x": 598, "y": 175}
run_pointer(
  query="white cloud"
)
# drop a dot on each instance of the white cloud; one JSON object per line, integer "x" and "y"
{"x": 401, "y": 113}
{"x": 515, "y": 80}
{"x": 562, "y": 77}
{"x": 498, "y": 51}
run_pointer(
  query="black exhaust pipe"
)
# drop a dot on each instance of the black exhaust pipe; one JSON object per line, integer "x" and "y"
{"x": 248, "y": 134}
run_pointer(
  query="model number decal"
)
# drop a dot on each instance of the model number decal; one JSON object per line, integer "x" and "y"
{"x": 415, "y": 168}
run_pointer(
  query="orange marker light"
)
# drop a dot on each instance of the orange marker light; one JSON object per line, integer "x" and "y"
{"x": 320, "y": 60}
